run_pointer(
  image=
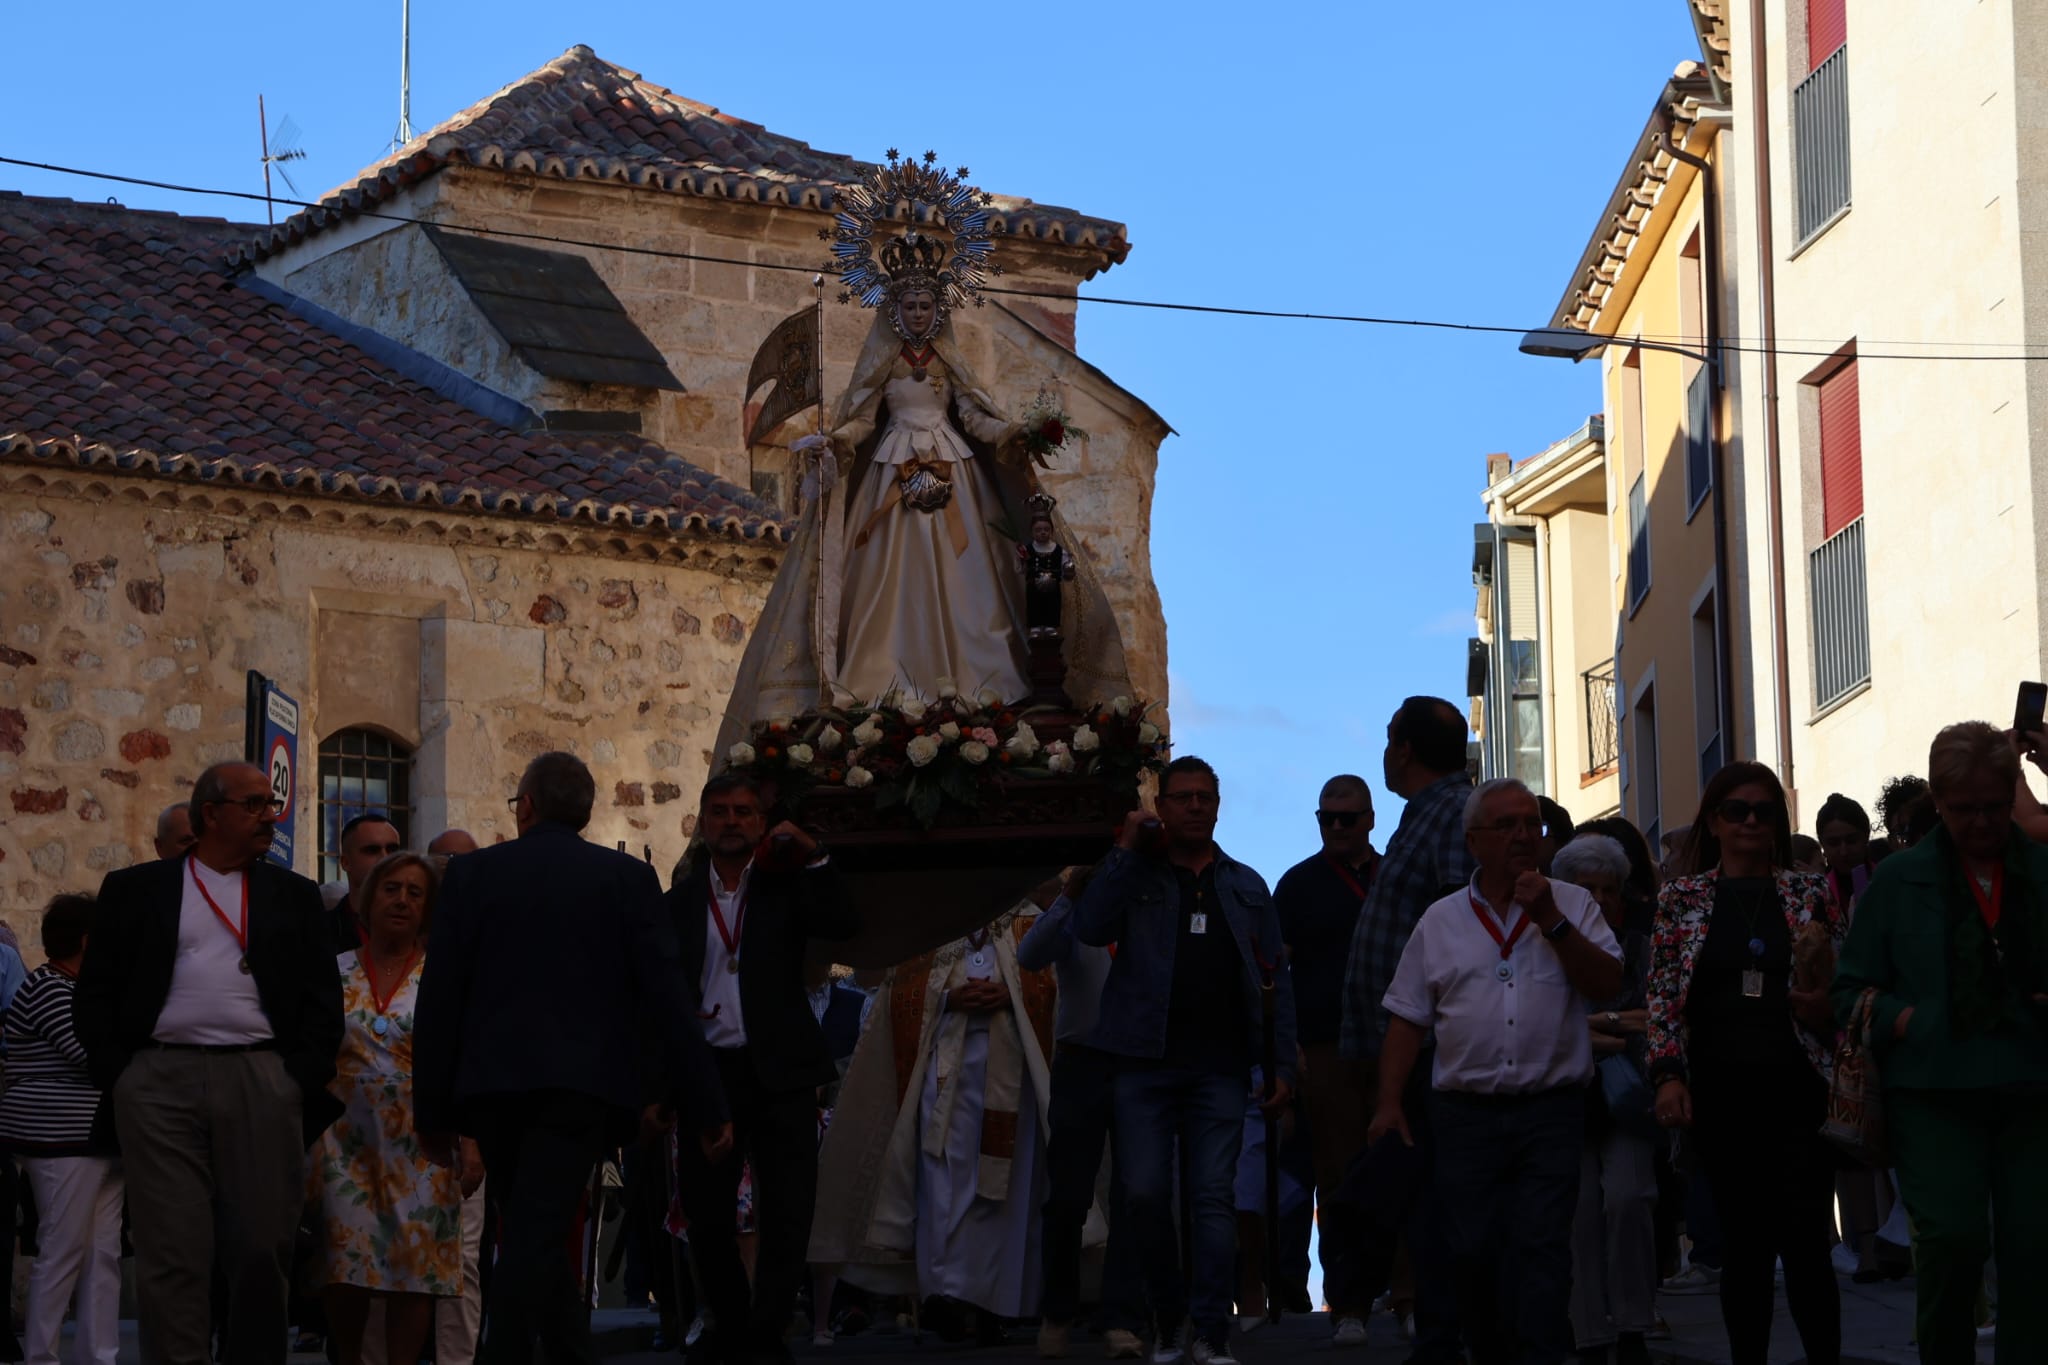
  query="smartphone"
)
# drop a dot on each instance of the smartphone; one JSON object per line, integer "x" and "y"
{"x": 2027, "y": 710}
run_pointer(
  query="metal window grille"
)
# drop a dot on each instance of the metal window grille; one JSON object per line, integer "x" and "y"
{"x": 1638, "y": 541}
{"x": 1603, "y": 728}
{"x": 1820, "y": 142}
{"x": 1841, "y": 615}
{"x": 1699, "y": 436}
{"x": 360, "y": 770}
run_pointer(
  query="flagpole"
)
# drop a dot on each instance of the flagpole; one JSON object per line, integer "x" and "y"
{"x": 818, "y": 353}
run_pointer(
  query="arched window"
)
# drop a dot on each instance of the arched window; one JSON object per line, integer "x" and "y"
{"x": 360, "y": 770}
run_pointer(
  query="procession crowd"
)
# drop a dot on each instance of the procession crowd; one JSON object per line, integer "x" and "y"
{"x": 1522, "y": 1076}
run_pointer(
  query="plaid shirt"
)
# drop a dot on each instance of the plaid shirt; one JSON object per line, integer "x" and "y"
{"x": 1425, "y": 860}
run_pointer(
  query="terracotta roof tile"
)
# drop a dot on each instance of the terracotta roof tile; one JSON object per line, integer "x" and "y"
{"x": 185, "y": 374}
{"x": 581, "y": 117}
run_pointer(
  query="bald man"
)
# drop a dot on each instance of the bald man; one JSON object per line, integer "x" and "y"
{"x": 451, "y": 843}
{"x": 174, "y": 831}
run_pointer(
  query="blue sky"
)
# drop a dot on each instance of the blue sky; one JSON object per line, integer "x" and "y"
{"x": 1311, "y": 535}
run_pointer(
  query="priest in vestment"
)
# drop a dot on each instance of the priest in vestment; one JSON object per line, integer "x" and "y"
{"x": 933, "y": 1173}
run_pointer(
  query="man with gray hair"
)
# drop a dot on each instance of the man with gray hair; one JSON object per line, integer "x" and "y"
{"x": 174, "y": 831}
{"x": 1502, "y": 971}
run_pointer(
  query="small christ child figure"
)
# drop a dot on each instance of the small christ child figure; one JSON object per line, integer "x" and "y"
{"x": 1046, "y": 566}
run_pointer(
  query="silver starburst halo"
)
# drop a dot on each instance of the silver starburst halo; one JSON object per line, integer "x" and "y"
{"x": 912, "y": 224}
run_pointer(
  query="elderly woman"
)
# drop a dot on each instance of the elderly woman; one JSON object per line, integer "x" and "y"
{"x": 1614, "y": 1263}
{"x": 1741, "y": 1048}
{"x": 392, "y": 1219}
{"x": 50, "y": 1118}
{"x": 1951, "y": 944}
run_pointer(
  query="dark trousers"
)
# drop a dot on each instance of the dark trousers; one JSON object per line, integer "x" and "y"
{"x": 1162, "y": 1111}
{"x": 1389, "y": 1198}
{"x": 1507, "y": 1181}
{"x": 777, "y": 1130}
{"x": 539, "y": 1150}
{"x": 1083, "y": 1101}
{"x": 1973, "y": 1175}
{"x": 1757, "y": 1136}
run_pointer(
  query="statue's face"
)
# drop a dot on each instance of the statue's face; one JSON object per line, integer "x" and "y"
{"x": 917, "y": 310}
{"x": 1041, "y": 529}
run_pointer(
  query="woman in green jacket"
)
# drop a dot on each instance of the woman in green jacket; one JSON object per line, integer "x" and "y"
{"x": 1952, "y": 935}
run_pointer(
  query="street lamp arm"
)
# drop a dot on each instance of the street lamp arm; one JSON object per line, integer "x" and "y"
{"x": 1568, "y": 343}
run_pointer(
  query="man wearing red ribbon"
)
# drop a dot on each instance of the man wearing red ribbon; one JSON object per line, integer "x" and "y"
{"x": 1502, "y": 971}
{"x": 209, "y": 1005}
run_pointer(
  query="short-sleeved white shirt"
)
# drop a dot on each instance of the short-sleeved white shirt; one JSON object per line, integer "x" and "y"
{"x": 1493, "y": 1036}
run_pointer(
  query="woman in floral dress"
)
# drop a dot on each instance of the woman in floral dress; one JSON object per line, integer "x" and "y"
{"x": 392, "y": 1219}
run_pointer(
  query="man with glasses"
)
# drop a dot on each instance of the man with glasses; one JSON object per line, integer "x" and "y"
{"x": 209, "y": 1006}
{"x": 1503, "y": 971}
{"x": 1196, "y": 935}
{"x": 1319, "y": 901}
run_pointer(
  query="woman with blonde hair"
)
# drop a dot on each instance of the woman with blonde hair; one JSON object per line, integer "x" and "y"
{"x": 392, "y": 1219}
{"x": 1950, "y": 947}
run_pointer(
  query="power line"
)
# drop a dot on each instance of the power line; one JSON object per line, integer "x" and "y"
{"x": 1220, "y": 310}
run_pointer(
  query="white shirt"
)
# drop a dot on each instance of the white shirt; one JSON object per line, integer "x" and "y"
{"x": 212, "y": 1000}
{"x": 720, "y": 987}
{"x": 1493, "y": 1036}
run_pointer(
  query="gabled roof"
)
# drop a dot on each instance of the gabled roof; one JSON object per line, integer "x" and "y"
{"x": 123, "y": 343}
{"x": 582, "y": 118}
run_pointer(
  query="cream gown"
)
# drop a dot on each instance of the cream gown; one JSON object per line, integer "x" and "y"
{"x": 915, "y": 607}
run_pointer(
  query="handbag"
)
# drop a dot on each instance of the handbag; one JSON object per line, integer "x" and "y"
{"x": 1626, "y": 1095}
{"x": 1855, "y": 1121}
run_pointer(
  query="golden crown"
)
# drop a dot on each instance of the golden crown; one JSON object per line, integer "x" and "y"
{"x": 945, "y": 244}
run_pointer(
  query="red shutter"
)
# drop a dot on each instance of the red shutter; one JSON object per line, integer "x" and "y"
{"x": 1827, "y": 28}
{"x": 1841, "y": 451}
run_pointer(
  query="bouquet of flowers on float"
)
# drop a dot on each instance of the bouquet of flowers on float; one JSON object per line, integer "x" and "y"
{"x": 1046, "y": 427}
{"x": 927, "y": 756}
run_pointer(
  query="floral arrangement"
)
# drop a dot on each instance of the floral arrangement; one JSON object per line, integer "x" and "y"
{"x": 926, "y": 756}
{"x": 1047, "y": 428}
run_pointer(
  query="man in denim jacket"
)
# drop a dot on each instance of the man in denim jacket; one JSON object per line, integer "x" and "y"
{"x": 1192, "y": 929}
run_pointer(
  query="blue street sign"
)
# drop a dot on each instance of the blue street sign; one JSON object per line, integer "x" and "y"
{"x": 274, "y": 747}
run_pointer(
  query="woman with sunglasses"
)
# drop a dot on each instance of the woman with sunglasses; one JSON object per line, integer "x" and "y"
{"x": 1952, "y": 937}
{"x": 1740, "y": 1055}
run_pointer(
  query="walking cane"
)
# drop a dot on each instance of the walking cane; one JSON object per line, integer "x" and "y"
{"x": 1269, "y": 1009}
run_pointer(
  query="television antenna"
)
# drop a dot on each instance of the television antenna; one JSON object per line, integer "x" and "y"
{"x": 404, "y": 134}
{"x": 280, "y": 145}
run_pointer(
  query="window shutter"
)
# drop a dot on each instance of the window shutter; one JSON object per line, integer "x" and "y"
{"x": 1841, "y": 452}
{"x": 1827, "y": 28}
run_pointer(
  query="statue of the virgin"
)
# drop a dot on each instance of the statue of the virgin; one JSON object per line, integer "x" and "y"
{"x": 902, "y": 578}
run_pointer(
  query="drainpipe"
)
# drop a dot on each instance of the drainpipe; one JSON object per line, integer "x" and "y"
{"x": 1767, "y": 307}
{"x": 1710, "y": 253}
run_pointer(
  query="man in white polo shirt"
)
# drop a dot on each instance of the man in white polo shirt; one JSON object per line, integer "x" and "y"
{"x": 1501, "y": 972}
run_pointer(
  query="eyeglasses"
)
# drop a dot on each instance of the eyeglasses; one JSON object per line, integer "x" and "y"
{"x": 1342, "y": 819}
{"x": 1531, "y": 826}
{"x": 1739, "y": 812}
{"x": 255, "y": 805}
{"x": 513, "y": 804}
{"x": 1193, "y": 798}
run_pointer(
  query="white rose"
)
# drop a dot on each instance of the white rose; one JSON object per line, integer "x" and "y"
{"x": 1060, "y": 763}
{"x": 1148, "y": 733}
{"x": 867, "y": 733}
{"x": 912, "y": 710}
{"x": 922, "y": 750}
{"x": 1121, "y": 705}
{"x": 974, "y": 751}
{"x": 831, "y": 738}
{"x": 949, "y": 732}
{"x": 988, "y": 697}
{"x": 1024, "y": 743}
{"x": 948, "y": 689}
{"x": 800, "y": 755}
{"x": 858, "y": 776}
{"x": 1058, "y": 746}
{"x": 740, "y": 755}
{"x": 1086, "y": 740}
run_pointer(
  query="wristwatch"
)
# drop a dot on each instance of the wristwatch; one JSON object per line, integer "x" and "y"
{"x": 1556, "y": 932}
{"x": 1613, "y": 1019}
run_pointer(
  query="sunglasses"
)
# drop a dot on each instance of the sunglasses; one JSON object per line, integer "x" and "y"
{"x": 1342, "y": 819}
{"x": 1739, "y": 812}
{"x": 255, "y": 805}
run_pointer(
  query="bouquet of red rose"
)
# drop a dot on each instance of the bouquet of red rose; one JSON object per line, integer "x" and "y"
{"x": 1047, "y": 428}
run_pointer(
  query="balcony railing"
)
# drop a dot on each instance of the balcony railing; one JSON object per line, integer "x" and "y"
{"x": 1820, "y": 142}
{"x": 1603, "y": 727}
{"x": 1841, "y": 616}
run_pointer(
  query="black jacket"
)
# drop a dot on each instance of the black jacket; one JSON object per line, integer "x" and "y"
{"x": 549, "y": 966}
{"x": 785, "y": 909}
{"x": 127, "y": 974}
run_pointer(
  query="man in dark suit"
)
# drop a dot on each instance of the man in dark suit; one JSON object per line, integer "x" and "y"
{"x": 210, "y": 1005}
{"x": 550, "y": 962}
{"x": 743, "y": 914}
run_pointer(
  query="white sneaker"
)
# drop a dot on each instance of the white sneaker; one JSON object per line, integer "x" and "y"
{"x": 1202, "y": 1353}
{"x": 1350, "y": 1332}
{"x": 1694, "y": 1279}
{"x": 1246, "y": 1322}
{"x": 1163, "y": 1354}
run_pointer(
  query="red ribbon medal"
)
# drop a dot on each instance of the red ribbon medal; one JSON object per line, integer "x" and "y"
{"x": 1350, "y": 879}
{"x": 730, "y": 938}
{"x": 380, "y": 1026}
{"x": 1506, "y": 970}
{"x": 241, "y": 931}
{"x": 1989, "y": 906}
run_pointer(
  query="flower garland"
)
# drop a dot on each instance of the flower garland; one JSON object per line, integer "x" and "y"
{"x": 927, "y": 756}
